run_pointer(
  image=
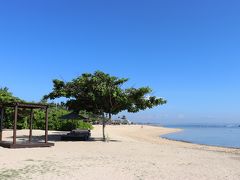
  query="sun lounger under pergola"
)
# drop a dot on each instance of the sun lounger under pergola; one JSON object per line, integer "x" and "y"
{"x": 28, "y": 144}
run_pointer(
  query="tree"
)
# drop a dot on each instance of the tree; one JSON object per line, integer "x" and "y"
{"x": 56, "y": 111}
{"x": 7, "y": 97}
{"x": 102, "y": 94}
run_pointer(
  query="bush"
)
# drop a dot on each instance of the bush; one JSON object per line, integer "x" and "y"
{"x": 54, "y": 121}
{"x": 68, "y": 125}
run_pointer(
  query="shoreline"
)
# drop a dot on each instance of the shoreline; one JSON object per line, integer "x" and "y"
{"x": 210, "y": 146}
{"x": 156, "y": 138}
{"x": 197, "y": 145}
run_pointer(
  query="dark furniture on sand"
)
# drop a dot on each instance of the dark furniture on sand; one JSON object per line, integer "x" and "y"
{"x": 77, "y": 135}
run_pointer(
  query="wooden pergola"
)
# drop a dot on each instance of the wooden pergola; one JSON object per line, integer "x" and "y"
{"x": 28, "y": 144}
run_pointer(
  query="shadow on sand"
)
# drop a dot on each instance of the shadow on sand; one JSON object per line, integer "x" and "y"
{"x": 56, "y": 137}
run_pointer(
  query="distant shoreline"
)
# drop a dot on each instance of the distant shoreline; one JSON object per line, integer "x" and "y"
{"x": 216, "y": 136}
{"x": 187, "y": 143}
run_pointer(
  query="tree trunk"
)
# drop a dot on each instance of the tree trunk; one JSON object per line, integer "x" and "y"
{"x": 103, "y": 127}
{"x": 110, "y": 116}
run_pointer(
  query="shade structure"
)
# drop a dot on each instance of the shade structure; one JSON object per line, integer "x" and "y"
{"x": 24, "y": 105}
{"x": 16, "y": 106}
{"x": 74, "y": 116}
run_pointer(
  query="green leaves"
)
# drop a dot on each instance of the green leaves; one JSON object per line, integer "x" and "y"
{"x": 139, "y": 99}
{"x": 58, "y": 90}
{"x": 39, "y": 116}
{"x": 7, "y": 97}
{"x": 101, "y": 93}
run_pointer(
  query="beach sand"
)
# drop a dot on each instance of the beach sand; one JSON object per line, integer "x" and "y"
{"x": 131, "y": 153}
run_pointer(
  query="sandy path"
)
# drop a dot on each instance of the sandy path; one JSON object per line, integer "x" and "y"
{"x": 131, "y": 153}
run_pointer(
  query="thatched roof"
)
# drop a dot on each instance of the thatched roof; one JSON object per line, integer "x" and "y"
{"x": 73, "y": 116}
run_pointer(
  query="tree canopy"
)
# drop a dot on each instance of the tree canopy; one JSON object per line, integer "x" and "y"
{"x": 7, "y": 97}
{"x": 101, "y": 93}
{"x": 55, "y": 113}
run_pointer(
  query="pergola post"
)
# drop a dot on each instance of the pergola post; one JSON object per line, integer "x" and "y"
{"x": 30, "y": 126}
{"x": 1, "y": 125}
{"x": 15, "y": 124}
{"x": 46, "y": 125}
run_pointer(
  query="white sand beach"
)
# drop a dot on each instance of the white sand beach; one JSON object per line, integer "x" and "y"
{"x": 132, "y": 153}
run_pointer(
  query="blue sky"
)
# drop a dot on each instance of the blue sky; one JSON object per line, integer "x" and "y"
{"x": 187, "y": 51}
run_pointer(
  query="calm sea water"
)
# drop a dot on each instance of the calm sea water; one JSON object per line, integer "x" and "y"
{"x": 226, "y": 136}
